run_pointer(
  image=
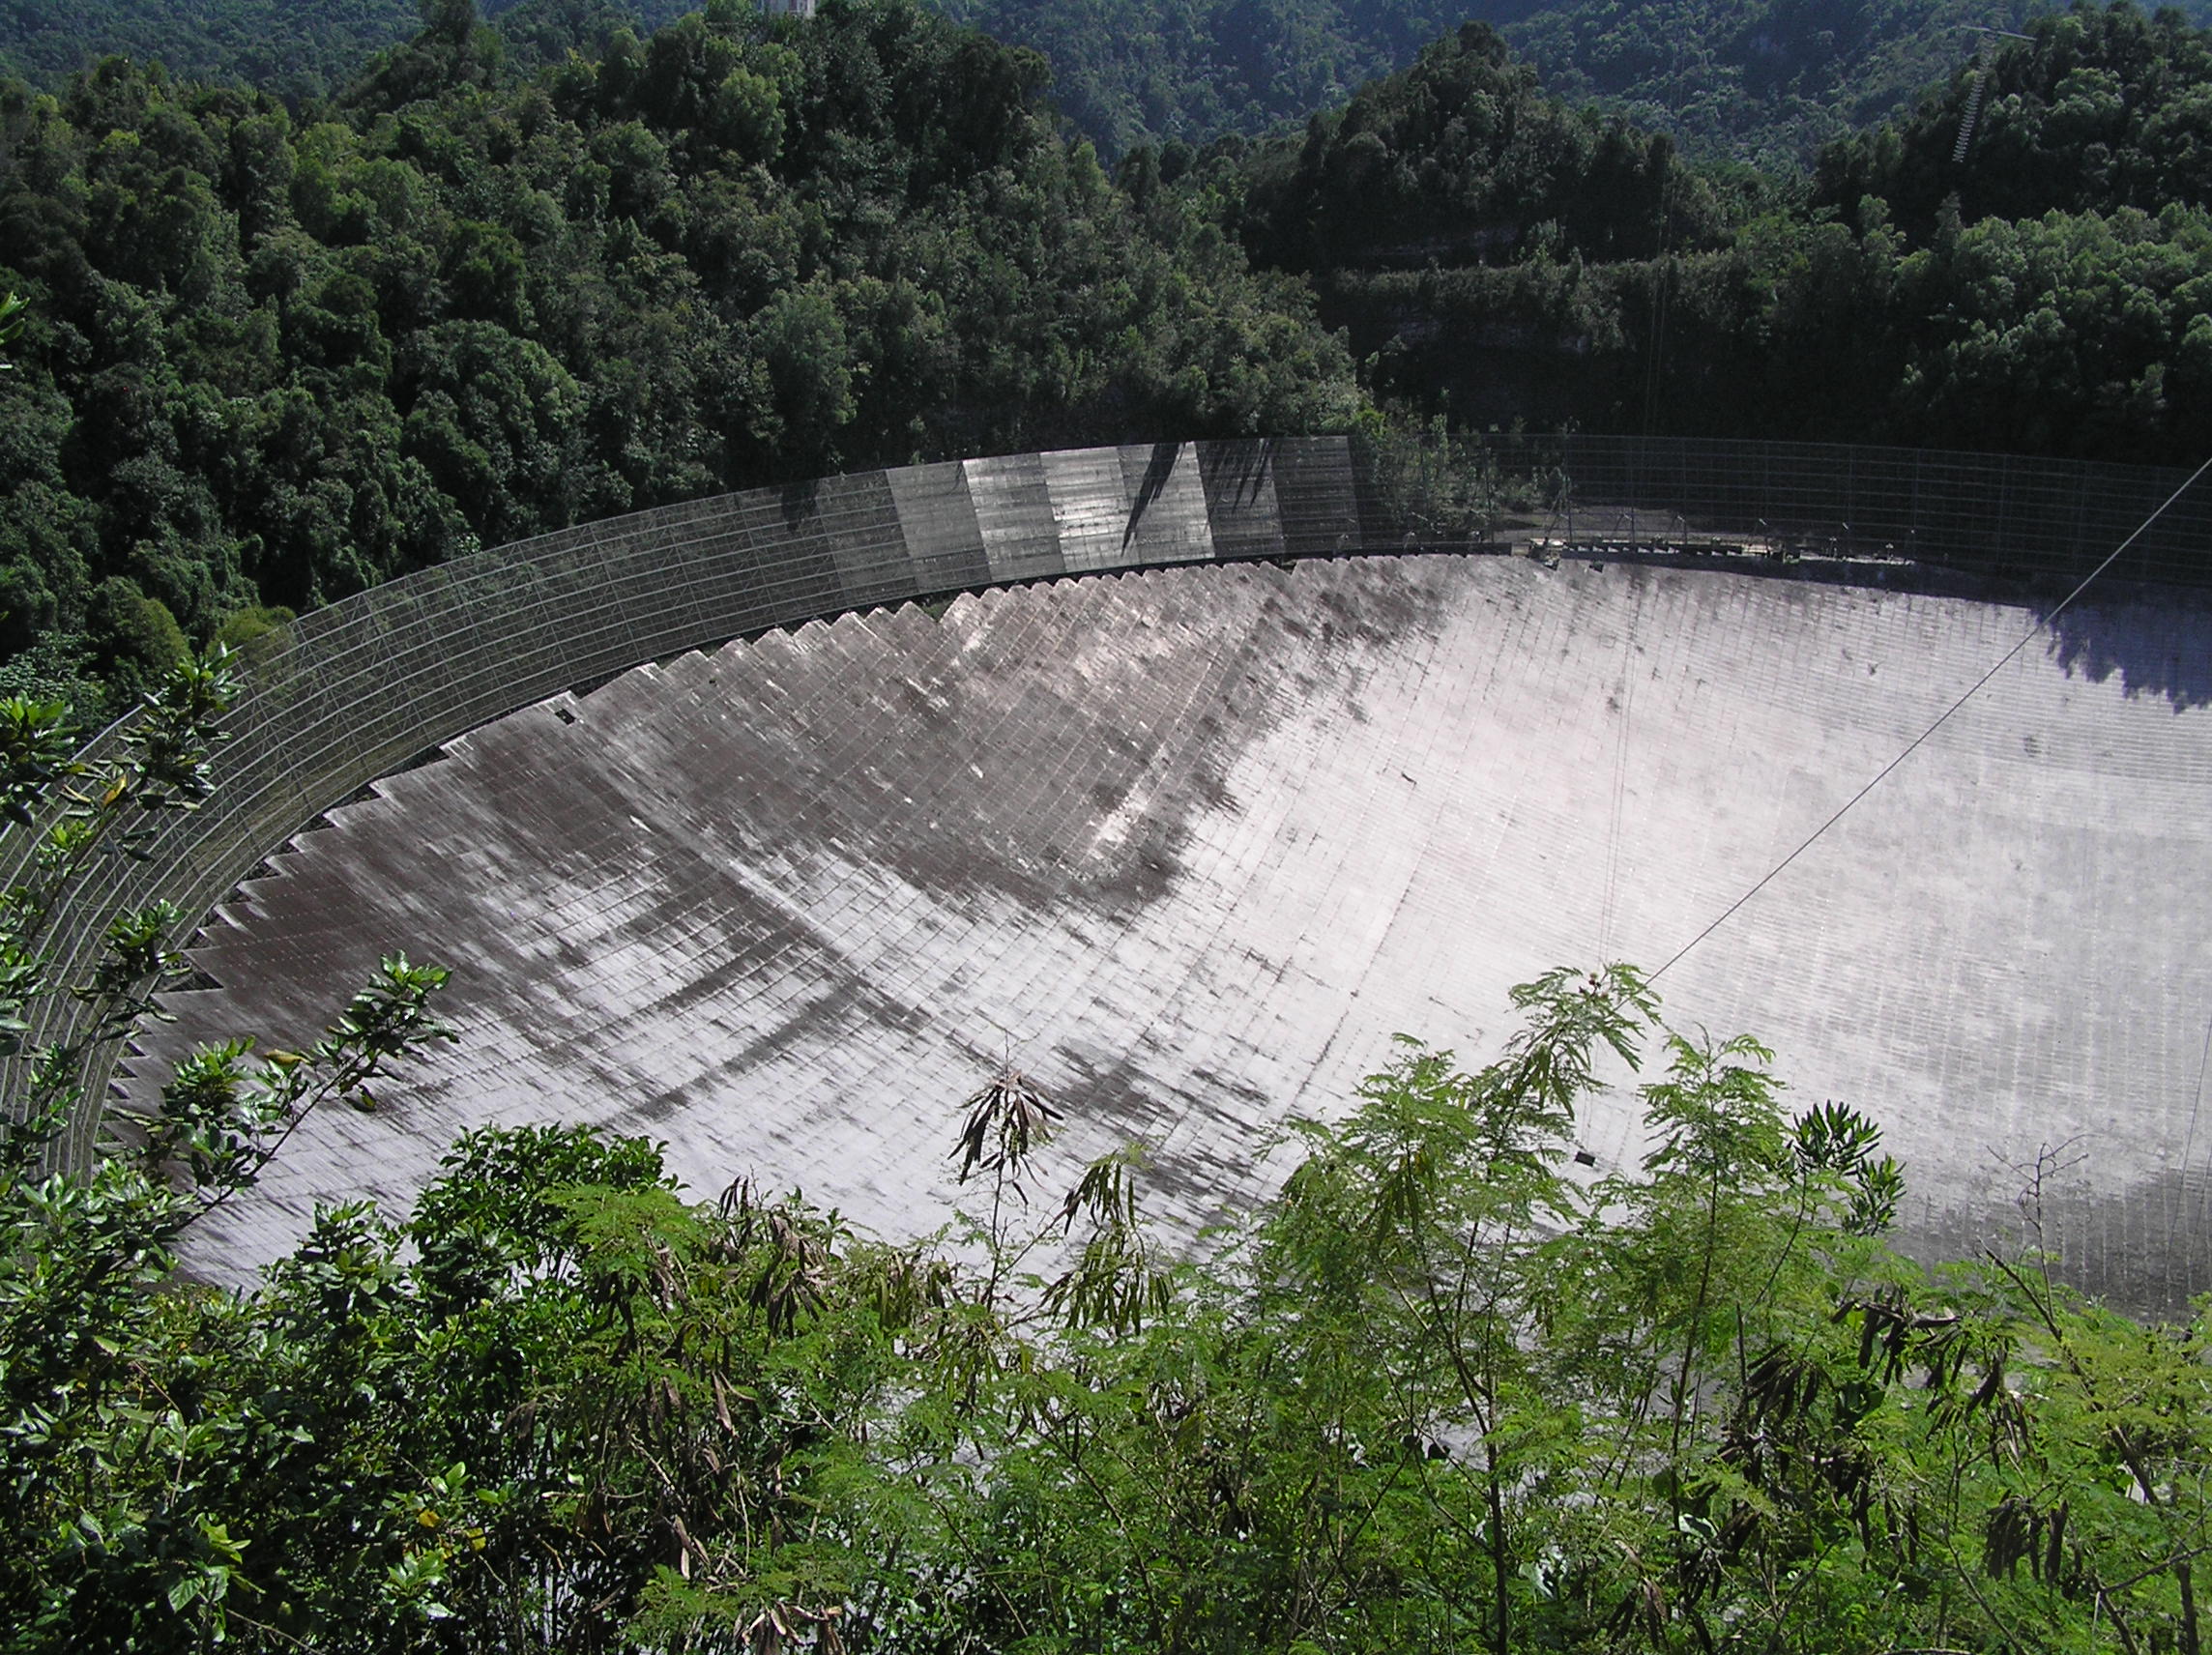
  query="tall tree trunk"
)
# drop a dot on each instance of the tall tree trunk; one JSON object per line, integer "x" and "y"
{"x": 2181, "y": 1575}
{"x": 1502, "y": 1562}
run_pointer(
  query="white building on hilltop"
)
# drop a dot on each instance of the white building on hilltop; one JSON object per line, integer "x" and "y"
{"x": 788, "y": 8}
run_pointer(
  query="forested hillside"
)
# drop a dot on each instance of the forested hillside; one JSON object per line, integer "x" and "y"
{"x": 1764, "y": 79}
{"x": 1769, "y": 80}
{"x": 293, "y": 47}
{"x": 1496, "y": 257}
{"x": 1130, "y": 71}
{"x": 274, "y": 358}
{"x": 271, "y": 362}
{"x": 2103, "y": 112}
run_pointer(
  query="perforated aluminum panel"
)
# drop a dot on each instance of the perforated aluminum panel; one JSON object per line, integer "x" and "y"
{"x": 1191, "y": 846}
{"x": 358, "y": 690}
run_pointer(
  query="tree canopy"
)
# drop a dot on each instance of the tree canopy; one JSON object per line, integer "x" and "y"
{"x": 1497, "y": 257}
{"x": 276, "y": 359}
{"x": 276, "y": 356}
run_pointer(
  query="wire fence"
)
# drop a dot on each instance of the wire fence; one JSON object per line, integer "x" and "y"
{"x": 368, "y": 685}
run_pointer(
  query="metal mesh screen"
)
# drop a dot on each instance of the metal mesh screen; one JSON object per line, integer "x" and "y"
{"x": 357, "y": 691}
{"x": 2002, "y": 516}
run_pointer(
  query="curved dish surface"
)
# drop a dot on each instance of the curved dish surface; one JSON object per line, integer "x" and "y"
{"x": 1190, "y": 845}
{"x": 356, "y": 691}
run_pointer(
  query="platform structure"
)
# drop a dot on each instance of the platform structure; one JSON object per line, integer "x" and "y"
{"x": 1192, "y": 843}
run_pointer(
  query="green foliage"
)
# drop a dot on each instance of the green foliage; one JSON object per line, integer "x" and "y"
{"x": 2101, "y": 110}
{"x": 58, "y": 668}
{"x": 1765, "y": 82}
{"x": 292, "y": 48}
{"x": 272, "y": 357}
{"x": 1464, "y": 158}
{"x": 276, "y": 356}
{"x": 1498, "y": 259}
{"x": 114, "y": 1477}
{"x": 242, "y": 630}
{"x": 11, "y": 319}
{"x": 2080, "y": 334}
{"x": 1768, "y": 81}
{"x": 135, "y": 639}
{"x": 1132, "y": 73}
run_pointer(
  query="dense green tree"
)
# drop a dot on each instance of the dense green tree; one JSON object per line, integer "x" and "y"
{"x": 278, "y": 358}
{"x": 1498, "y": 258}
{"x": 292, "y": 48}
{"x": 1769, "y": 81}
{"x": 1463, "y": 160}
{"x": 1764, "y": 80}
{"x": 2103, "y": 109}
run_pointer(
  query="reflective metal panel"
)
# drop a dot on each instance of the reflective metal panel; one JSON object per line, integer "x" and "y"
{"x": 1314, "y": 493}
{"x": 355, "y": 690}
{"x": 937, "y": 520}
{"x": 1241, "y": 498}
{"x": 1168, "y": 508}
{"x": 1013, "y": 508}
{"x": 1093, "y": 509}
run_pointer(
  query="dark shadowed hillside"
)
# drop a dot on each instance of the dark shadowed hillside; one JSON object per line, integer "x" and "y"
{"x": 1497, "y": 257}
{"x": 1763, "y": 79}
{"x": 292, "y": 46}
